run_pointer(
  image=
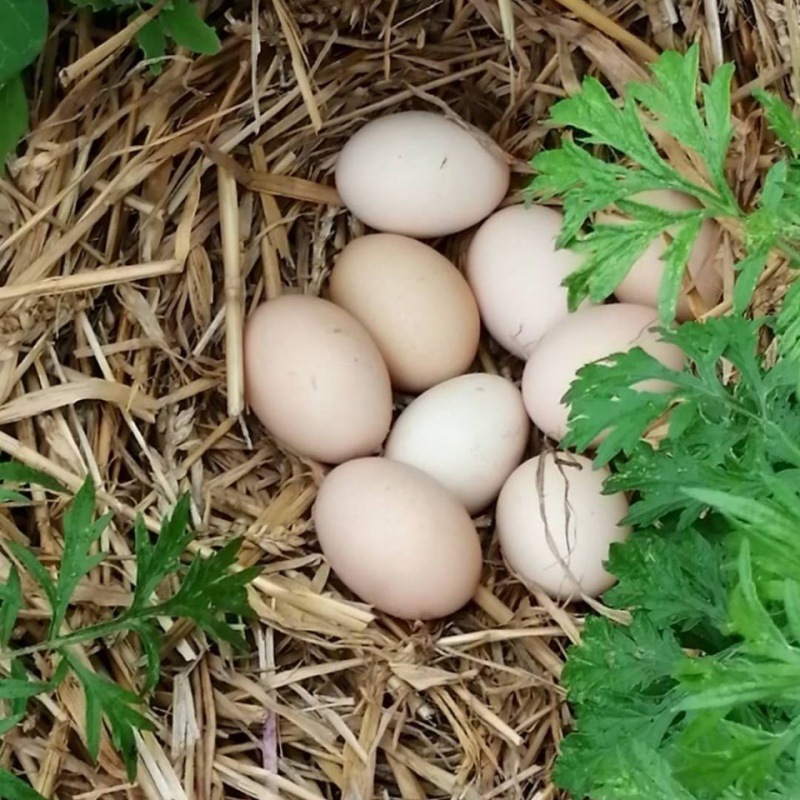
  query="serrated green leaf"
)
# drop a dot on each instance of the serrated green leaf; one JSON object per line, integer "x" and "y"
{"x": 677, "y": 579}
{"x": 22, "y": 34}
{"x": 15, "y": 689}
{"x": 209, "y": 589}
{"x": 36, "y": 569}
{"x": 182, "y": 22}
{"x": 121, "y": 709}
{"x": 749, "y": 618}
{"x": 81, "y": 532}
{"x": 598, "y": 393}
{"x": 737, "y": 682}
{"x": 13, "y": 116}
{"x": 151, "y": 643}
{"x": 749, "y": 269}
{"x": 713, "y": 754}
{"x": 610, "y": 252}
{"x": 781, "y": 120}
{"x": 153, "y": 43}
{"x": 14, "y": 788}
{"x": 14, "y": 472}
{"x": 156, "y": 562}
{"x": 10, "y": 605}
{"x": 9, "y": 723}
{"x": 791, "y": 601}
{"x": 788, "y": 323}
{"x": 675, "y": 258}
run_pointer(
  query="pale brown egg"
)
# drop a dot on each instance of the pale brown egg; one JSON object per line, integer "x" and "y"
{"x": 555, "y": 525}
{"x": 397, "y": 538}
{"x": 590, "y": 334}
{"x": 420, "y": 174}
{"x": 315, "y": 379}
{"x": 415, "y": 304}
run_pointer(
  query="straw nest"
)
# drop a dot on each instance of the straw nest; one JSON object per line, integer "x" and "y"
{"x": 143, "y": 220}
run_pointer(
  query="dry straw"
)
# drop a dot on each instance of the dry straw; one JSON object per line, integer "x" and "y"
{"x": 144, "y": 220}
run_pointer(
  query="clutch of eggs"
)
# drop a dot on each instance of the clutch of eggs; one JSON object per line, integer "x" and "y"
{"x": 319, "y": 375}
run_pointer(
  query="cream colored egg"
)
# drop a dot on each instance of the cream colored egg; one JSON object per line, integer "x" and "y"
{"x": 415, "y": 304}
{"x": 469, "y": 433}
{"x": 397, "y": 539}
{"x": 555, "y": 526}
{"x": 703, "y": 277}
{"x": 420, "y": 174}
{"x": 590, "y": 334}
{"x": 315, "y": 379}
{"x": 516, "y": 273}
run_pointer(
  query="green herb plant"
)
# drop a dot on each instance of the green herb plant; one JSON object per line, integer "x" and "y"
{"x": 23, "y": 31}
{"x": 209, "y": 592}
{"x": 698, "y": 697}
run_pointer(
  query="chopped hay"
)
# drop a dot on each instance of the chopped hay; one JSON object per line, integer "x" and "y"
{"x": 145, "y": 219}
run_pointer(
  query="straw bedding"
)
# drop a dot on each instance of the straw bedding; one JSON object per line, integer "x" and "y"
{"x": 144, "y": 218}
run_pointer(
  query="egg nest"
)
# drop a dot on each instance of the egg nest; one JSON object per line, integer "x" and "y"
{"x": 127, "y": 377}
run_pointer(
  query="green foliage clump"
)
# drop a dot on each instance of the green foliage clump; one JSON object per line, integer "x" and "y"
{"x": 697, "y": 698}
{"x": 23, "y": 31}
{"x": 207, "y": 591}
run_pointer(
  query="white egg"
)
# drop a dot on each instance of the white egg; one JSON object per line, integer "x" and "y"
{"x": 420, "y": 174}
{"x": 516, "y": 272}
{"x": 469, "y": 433}
{"x": 555, "y": 526}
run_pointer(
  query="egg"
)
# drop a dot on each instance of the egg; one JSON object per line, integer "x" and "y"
{"x": 397, "y": 538}
{"x": 555, "y": 526}
{"x": 415, "y": 304}
{"x": 515, "y": 272}
{"x": 420, "y": 174}
{"x": 315, "y": 379}
{"x": 590, "y": 334}
{"x": 469, "y": 433}
{"x": 643, "y": 283}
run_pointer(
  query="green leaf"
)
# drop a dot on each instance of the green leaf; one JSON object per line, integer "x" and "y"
{"x": 12, "y": 689}
{"x": 151, "y": 644}
{"x": 588, "y": 184}
{"x": 676, "y": 257}
{"x": 10, "y": 605}
{"x": 153, "y": 43}
{"x": 36, "y": 569}
{"x": 713, "y": 754}
{"x": 210, "y": 589}
{"x": 13, "y": 115}
{"x": 749, "y": 269}
{"x": 788, "y": 323}
{"x": 781, "y": 120}
{"x": 9, "y": 723}
{"x": 14, "y": 788}
{"x": 791, "y": 595}
{"x": 81, "y": 531}
{"x": 120, "y": 708}
{"x": 611, "y": 251}
{"x": 182, "y": 22}
{"x": 14, "y": 472}
{"x": 22, "y": 34}
{"x": 678, "y": 580}
{"x": 154, "y": 563}
{"x": 603, "y": 400}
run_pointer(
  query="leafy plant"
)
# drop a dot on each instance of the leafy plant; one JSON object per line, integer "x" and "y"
{"x": 697, "y": 698}
{"x": 627, "y": 134}
{"x": 24, "y": 30}
{"x": 207, "y": 591}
